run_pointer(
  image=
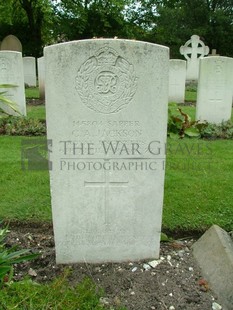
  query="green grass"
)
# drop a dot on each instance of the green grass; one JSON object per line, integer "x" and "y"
{"x": 24, "y": 194}
{"x": 36, "y": 111}
{"x": 32, "y": 92}
{"x": 57, "y": 295}
{"x": 198, "y": 187}
{"x": 195, "y": 197}
{"x": 190, "y": 96}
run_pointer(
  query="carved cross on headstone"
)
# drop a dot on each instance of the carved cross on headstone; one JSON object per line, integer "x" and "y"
{"x": 106, "y": 185}
{"x": 192, "y": 51}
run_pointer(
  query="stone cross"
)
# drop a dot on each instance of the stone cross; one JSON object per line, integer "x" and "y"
{"x": 192, "y": 51}
{"x": 106, "y": 185}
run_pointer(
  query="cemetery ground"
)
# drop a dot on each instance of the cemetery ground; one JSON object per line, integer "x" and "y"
{"x": 198, "y": 193}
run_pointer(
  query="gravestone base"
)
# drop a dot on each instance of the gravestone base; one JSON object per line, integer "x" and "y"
{"x": 214, "y": 254}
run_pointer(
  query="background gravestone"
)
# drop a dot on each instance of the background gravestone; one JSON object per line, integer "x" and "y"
{"x": 214, "y": 94}
{"x": 177, "y": 76}
{"x": 11, "y": 72}
{"x": 29, "y": 68}
{"x": 106, "y": 109}
{"x": 192, "y": 51}
{"x": 41, "y": 77}
{"x": 11, "y": 43}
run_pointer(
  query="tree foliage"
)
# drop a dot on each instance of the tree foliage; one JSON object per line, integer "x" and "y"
{"x": 170, "y": 22}
{"x": 29, "y": 20}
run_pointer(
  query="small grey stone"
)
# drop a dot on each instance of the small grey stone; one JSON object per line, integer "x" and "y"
{"x": 32, "y": 272}
{"x": 155, "y": 263}
{"x": 104, "y": 301}
{"x": 146, "y": 266}
{"x": 216, "y": 306}
{"x": 181, "y": 253}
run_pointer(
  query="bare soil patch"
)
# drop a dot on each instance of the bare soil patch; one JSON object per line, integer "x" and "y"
{"x": 175, "y": 283}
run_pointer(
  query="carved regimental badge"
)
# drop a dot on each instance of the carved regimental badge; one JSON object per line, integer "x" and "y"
{"x": 106, "y": 82}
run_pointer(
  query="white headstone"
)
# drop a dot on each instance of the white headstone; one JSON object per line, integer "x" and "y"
{"x": 11, "y": 43}
{"x": 177, "y": 76}
{"x": 196, "y": 49}
{"x": 214, "y": 95}
{"x": 106, "y": 107}
{"x": 11, "y": 72}
{"x": 41, "y": 77}
{"x": 29, "y": 67}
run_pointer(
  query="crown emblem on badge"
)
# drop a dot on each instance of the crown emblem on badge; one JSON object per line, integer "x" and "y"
{"x": 106, "y": 56}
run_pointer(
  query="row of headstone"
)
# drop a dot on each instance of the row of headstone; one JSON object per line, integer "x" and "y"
{"x": 214, "y": 91}
{"x": 12, "y": 43}
{"x": 9, "y": 73}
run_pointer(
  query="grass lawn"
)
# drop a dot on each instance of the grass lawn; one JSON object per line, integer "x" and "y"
{"x": 24, "y": 194}
{"x": 198, "y": 187}
{"x": 32, "y": 92}
{"x": 36, "y": 111}
{"x": 190, "y": 96}
{"x": 194, "y": 197}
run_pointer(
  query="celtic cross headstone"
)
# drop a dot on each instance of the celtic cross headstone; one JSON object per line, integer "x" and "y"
{"x": 106, "y": 108}
{"x": 192, "y": 51}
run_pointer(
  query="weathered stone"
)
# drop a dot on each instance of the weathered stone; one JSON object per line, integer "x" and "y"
{"x": 214, "y": 94}
{"x": 29, "y": 67}
{"x": 11, "y": 72}
{"x": 214, "y": 254}
{"x": 177, "y": 76}
{"x": 11, "y": 43}
{"x": 106, "y": 107}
